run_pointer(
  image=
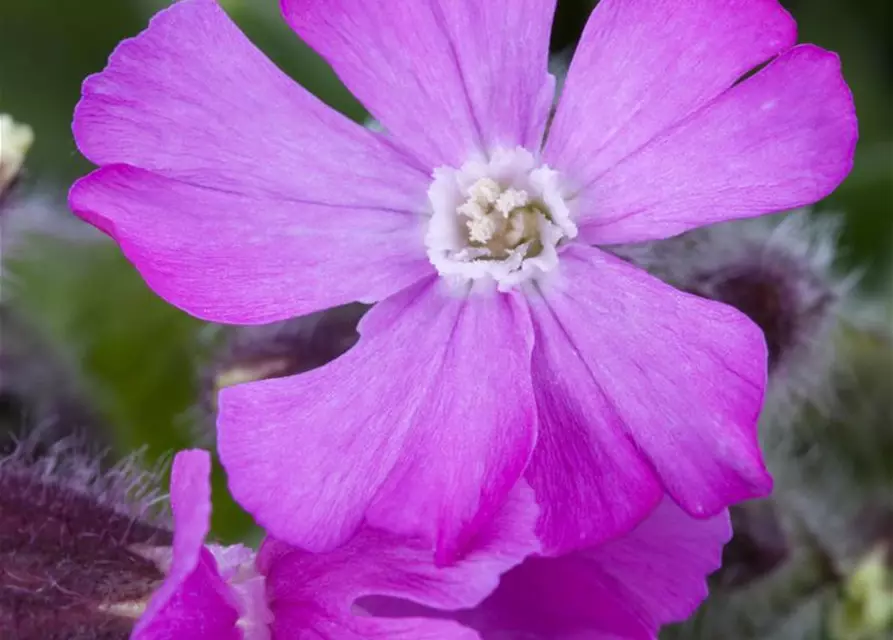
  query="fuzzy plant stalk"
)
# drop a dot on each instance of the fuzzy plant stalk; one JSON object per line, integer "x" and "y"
{"x": 809, "y": 562}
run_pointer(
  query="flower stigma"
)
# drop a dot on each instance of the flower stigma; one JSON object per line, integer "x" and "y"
{"x": 501, "y": 220}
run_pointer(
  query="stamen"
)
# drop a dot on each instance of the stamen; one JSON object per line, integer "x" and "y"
{"x": 486, "y": 230}
{"x": 510, "y": 200}
{"x": 473, "y": 210}
{"x": 481, "y": 229}
{"x": 485, "y": 191}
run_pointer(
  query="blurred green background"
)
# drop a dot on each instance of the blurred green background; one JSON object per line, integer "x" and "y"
{"x": 140, "y": 359}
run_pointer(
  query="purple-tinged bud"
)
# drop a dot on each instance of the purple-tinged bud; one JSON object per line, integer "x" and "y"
{"x": 70, "y": 536}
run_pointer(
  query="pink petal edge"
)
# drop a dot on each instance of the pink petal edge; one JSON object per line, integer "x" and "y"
{"x": 781, "y": 139}
{"x": 242, "y": 259}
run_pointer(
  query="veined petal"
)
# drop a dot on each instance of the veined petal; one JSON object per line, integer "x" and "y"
{"x": 448, "y": 78}
{"x": 684, "y": 377}
{"x": 781, "y": 139}
{"x": 422, "y": 428}
{"x": 193, "y": 99}
{"x": 627, "y": 588}
{"x": 249, "y": 259}
{"x": 590, "y": 478}
{"x": 191, "y": 601}
{"x": 644, "y": 65}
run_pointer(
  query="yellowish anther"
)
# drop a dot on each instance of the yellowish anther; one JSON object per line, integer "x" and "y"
{"x": 15, "y": 140}
{"x": 481, "y": 229}
{"x": 522, "y": 227}
{"x": 497, "y": 220}
{"x": 473, "y": 210}
{"x": 484, "y": 192}
{"x": 510, "y": 200}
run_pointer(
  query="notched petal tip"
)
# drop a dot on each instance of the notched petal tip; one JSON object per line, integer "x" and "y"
{"x": 789, "y": 132}
{"x": 92, "y": 86}
{"x": 840, "y": 92}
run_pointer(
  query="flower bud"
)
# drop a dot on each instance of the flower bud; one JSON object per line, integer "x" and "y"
{"x": 69, "y": 540}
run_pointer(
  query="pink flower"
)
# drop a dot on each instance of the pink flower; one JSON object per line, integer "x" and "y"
{"x": 503, "y": 345}
{"x": 214, "y": 592}
{"x": 381, "y": 586}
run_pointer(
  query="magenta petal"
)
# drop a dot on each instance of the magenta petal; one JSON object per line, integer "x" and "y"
{"x": 781, "y": 139}
{"x": 193, "y": 99}
{"x": 288, "y": 628}
{"x": 446, "y": 77}
{"x": 423, "y": 427}
{"x": 589, "y": 476}
{"x": 192, "y": 602}
{"x": 257, "y": 202}
{"x": 683, "y": 377}
{"x": 319, "y": 591}
{"x": 249, "y": 259}
{"x": 410, "y": 629}
{"x": 643, "y": 65}
{"x": 627, "y": 588}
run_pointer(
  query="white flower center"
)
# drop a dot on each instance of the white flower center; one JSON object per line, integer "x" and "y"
{"x": 501, "y": 220}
